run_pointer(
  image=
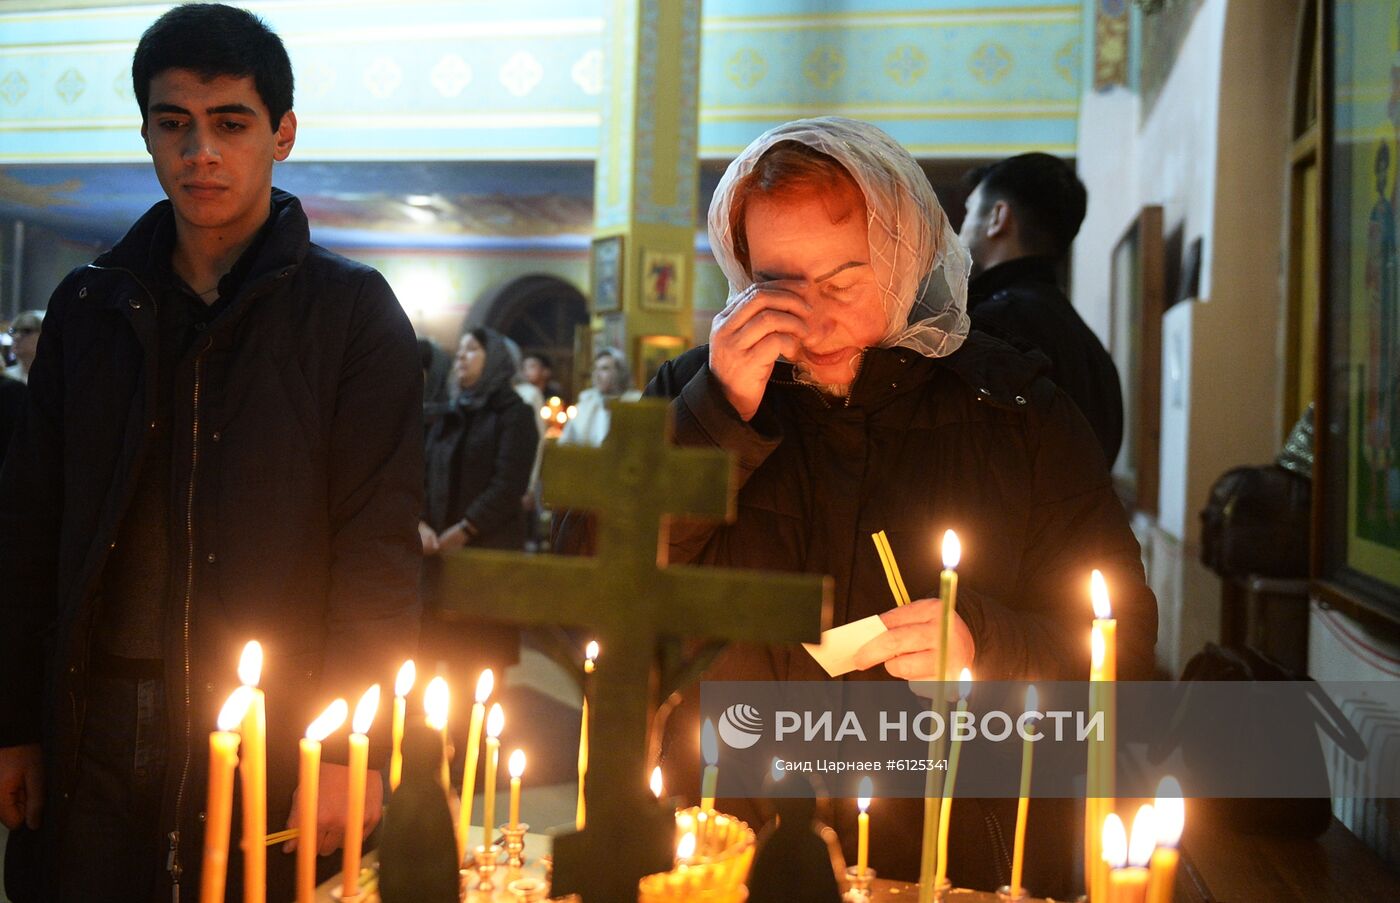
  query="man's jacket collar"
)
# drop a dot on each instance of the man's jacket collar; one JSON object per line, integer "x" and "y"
{"x": 1004, "y": 275}
{"x": 286, "y": 244}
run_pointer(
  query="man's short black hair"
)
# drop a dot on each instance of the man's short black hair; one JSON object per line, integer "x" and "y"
{"x": 1047, "y": 197}
{"x": 541, "y": 357}
{"x": 212, "y": 39}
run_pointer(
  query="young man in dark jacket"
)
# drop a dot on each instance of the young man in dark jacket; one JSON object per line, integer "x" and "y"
{"x": 221, "y": 445}
{"x": 1022, "y": 215}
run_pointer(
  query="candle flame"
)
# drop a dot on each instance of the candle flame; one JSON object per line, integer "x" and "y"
{"x": 965, "y": 683}
{"x": 1171, "y": 812}
{"x": 1097, "y": 649}
{"x": 1098, "y": 592}
{"x": 495, "y": 721}
{"x": 777, "y": 772}
{"x": 561, "y": 418}
{"x": 1115, "y": 842}
{"x": 484, "y": 685}
{"x": 1032, "y": 699}
{"x": 686, "y": 848}
{"x": 866, "y": 790}
{"x": 408, "y": 673}
{"x": 1144, "y": 837}
{"x": 555, "y": 401}
{"x": 437, "y": 703}
{"x": 571, "y": 411}
{"x": 709, "y": 743}
{"x": 365, "y": 710}
{"x": 590, "y": 652}
{"x": 952, "y": 550}
{"x": 231, "y": 715}
{"x": 546, "y": 413}
{"x": 329, "y": 721}
{"x": 657, "y": 787}
{"x": 517, "y": 763}
{"x": 250, "y": 664}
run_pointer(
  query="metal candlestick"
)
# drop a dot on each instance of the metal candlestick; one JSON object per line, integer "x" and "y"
{"x": 859, "y": 882}
{"x": 515, "y": 844}
{"x": 485, "y": 858}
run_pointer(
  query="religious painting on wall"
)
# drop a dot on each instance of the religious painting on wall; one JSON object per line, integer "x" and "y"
{"x": 605, "y": 273}
{"x": 1137, "y": 287}
{"x": 663, "y": 274}
{"x": 1359, "y": 460}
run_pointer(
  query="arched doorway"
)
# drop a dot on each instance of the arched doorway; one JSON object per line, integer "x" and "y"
{"x": 541, "y": 313}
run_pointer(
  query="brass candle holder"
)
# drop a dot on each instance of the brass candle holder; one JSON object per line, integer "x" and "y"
{"x": 1005, "y": 895}
{"x": 528, "y": 890}
{"x": 485, "y": 858}
{"x": 858, "y": 881}
{"x": 515, "y": 844}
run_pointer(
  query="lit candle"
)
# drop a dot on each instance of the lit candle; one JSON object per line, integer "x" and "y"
{"x": 867, "y": 790}
{"x": 308, "y": 789}
{"x": 252, "y": 773}
{"x": 945, "y": 812}
{"x": 1171, "y": 819}
{"x": 436, "y": 705}
{"x": 495, "y": 723}
{"x": 1103, "y": 672}
{"x": 484, "y": 685}
{"x": 709, "y": 748}
{"x": 517, "y": 768}
{"x": 657, "y": 786}
{"x": 355, "y": 791}
{"x": 948, "y": 593}
{"x": 1128, "y": 883}
{"x": 590, "y": 658}
{"x": 403, "y": 683}
{"x": 1113, "y": 848}
{"x": 1018, "y": 858}
{"x": 223, "y": 757}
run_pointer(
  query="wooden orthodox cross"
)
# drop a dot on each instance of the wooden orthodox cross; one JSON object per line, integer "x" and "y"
{"x": 631, "y": 601}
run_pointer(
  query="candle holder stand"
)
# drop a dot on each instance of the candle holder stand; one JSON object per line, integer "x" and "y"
{"x": 528, "y": 890}
{"x": 485, "y": 858}
{"x": 859, "y": 883}
{"x": 1005, "y": 895}
{"x": 515, "y": 844}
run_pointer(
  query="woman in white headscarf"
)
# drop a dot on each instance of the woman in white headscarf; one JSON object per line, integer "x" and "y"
{"x": 842, "y": 376}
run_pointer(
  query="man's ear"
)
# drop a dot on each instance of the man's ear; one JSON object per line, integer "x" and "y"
{"x": 1000, "y": 220}
{"x": 286, "y": 136}
{"x": 146, "y": 133}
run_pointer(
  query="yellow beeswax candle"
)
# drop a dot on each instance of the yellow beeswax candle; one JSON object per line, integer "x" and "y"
{"x": 218, "y": 809}
{"x": 308, "y": 792}
{"x": 403, "y": 683}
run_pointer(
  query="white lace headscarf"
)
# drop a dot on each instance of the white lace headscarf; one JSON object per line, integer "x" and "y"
{"x": 920, "y": 266}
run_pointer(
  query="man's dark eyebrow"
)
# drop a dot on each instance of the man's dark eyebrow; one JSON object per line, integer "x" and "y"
{"x": 235, "y": 108}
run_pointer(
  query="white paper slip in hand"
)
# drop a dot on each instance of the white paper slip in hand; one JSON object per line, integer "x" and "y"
{"x": 837, "y": 651}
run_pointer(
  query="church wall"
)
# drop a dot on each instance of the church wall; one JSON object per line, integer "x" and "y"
{"x": 438, "y": 288}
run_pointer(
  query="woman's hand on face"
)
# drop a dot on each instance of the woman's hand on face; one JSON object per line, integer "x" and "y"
{"x": 763, "y": 322}
{"x": 428, "y": 538}
{"x": 909, "y": 646}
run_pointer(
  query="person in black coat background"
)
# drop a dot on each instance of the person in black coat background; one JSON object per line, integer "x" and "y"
{"x": 12, "y": 399}
{"x": 479, "y": 452}
{"x": 1022, "y": 215}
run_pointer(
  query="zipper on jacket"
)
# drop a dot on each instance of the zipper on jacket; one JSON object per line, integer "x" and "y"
{"x": 860, "y": 362}
{"x": 174, "y": 863}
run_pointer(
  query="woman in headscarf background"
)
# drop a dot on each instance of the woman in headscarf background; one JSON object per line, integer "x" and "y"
{"x": 612, "y": 380}
{"x": 478, "y": 456}
{"x": 842, "y": 376}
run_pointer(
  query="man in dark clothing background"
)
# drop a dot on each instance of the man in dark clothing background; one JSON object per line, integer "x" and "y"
{"x": 12, "y": 400}
{"x": 222, "y": 443}
{"x": 1022, "y": 216}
